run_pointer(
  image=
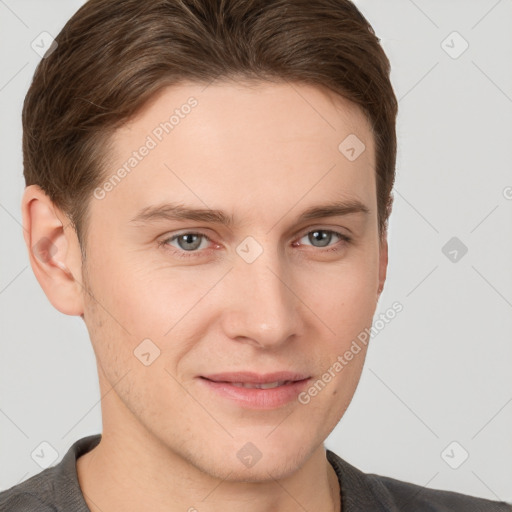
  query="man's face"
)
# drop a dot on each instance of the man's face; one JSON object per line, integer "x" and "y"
{"x": 266, "y": 294}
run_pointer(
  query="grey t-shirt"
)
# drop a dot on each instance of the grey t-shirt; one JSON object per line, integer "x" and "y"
{"x": 56, "y": 489}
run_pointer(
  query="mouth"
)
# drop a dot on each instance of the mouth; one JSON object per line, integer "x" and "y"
{"x": 268, "y": 385}
{"x": 257, "y": 391}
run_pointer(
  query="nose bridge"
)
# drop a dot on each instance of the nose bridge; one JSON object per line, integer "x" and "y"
{"x": 264, "y": 308}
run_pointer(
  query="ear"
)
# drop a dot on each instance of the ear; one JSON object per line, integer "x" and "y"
{"x": 383, "y": 263}
{"x": 53, "y": 250}
{"x": 383, "y": 247}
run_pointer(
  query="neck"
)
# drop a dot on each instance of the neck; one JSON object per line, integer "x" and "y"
{"x": 115, "y": 478}
{"x": 132, "y": 470}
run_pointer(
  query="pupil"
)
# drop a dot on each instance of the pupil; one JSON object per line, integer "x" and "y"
{"x": 189, "y": 239}
{"x": 324, "y": 237}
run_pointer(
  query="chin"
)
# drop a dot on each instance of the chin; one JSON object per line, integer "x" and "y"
{"x": 253, "y": 462}
{"x": 263, "y": 471}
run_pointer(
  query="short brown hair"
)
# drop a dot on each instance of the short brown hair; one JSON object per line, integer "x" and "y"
{"x": 112, "y": 56}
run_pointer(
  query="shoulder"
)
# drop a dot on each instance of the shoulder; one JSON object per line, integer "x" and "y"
{"x": 29, "y": 495}
{"x": 407, "y": 495}
{"x": 386, "y": 494}
{"x": 55, "y": 489}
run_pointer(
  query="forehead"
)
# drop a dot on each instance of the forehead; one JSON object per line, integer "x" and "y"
{"x": 272, "y": 143}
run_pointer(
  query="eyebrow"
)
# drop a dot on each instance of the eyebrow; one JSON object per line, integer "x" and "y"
{"x": 175, "y": 211}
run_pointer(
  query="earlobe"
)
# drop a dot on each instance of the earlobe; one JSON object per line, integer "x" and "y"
{"x": 54, "y": 251}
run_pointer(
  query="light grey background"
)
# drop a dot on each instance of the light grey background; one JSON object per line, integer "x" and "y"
{"x": 440, "y": 371}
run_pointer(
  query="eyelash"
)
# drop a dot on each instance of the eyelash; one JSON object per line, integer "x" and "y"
{"x": 192, "y": 254}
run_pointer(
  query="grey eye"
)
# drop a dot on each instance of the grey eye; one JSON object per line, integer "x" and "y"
{"x": 320, "y": 237}
{"x": 188, "y": 241}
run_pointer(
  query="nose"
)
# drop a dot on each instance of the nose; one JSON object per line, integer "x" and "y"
{"x": 261, "y": 307}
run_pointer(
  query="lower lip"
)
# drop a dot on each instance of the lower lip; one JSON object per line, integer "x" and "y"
{"x": 253, "y": 398}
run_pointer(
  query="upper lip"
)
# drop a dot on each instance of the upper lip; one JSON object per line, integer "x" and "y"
{"x": 256, "y": 378}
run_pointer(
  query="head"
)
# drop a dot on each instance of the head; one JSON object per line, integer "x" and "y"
{"x": 256, "y": 112}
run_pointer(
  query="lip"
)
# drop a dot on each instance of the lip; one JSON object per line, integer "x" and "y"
{"x": 255, "y": 378}
{"x": 221, "y": 384}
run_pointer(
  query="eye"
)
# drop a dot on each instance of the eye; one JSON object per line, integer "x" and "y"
{"x": 188, "y": 242}
{"x": 323, "y": 237}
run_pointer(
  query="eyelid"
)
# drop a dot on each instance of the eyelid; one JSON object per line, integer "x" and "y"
{"x": 332, "y": 229}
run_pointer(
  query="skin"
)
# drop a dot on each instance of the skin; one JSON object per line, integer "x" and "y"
{"x": 262, "y": 152}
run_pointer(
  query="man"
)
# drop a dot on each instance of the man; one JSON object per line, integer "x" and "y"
{"x": 208, "y": 187}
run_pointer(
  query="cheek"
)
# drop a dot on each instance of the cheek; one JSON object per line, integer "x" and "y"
{"x": 147, "y": 302}
{"x": 126, "y": 322}
{"x": 344, "y": 296}
{"x": 140, "y": 297}
{"x": 118, "y": 311}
